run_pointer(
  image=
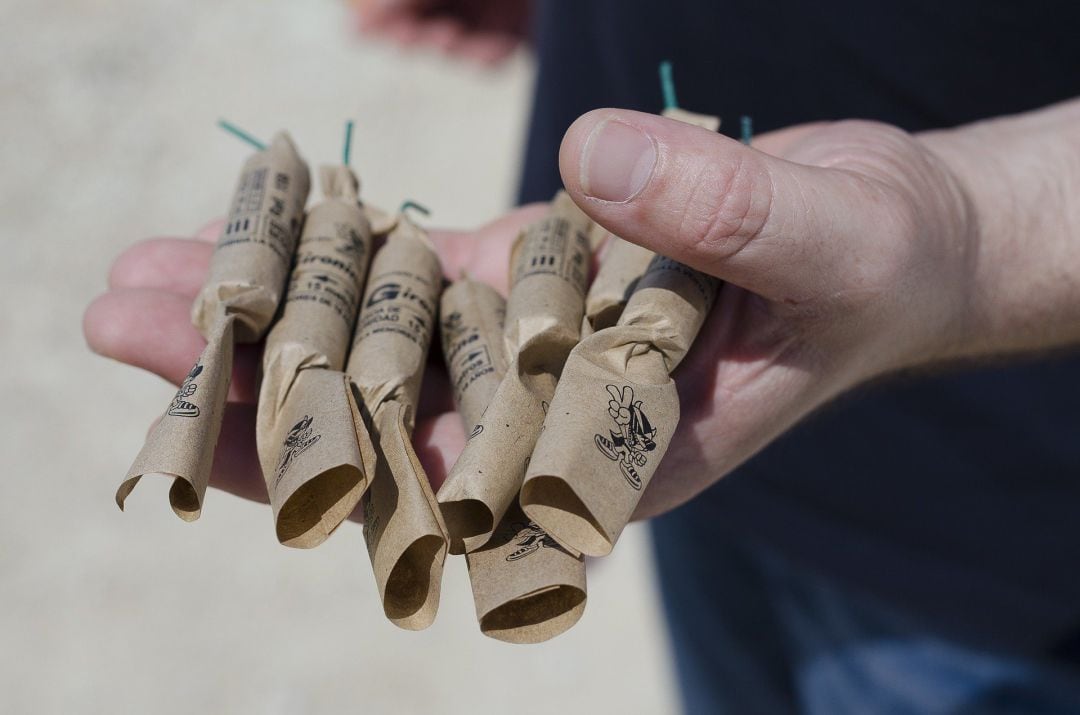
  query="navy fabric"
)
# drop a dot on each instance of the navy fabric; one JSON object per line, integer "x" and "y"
{"x": 783, "y": 639}
{"x": 951, "y": 497}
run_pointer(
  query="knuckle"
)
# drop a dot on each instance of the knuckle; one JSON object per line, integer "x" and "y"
{"x": 125, "y": 267}
{"x": 727, "y": 207}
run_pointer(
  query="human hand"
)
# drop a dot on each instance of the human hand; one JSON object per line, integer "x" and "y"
{"x": 144, "y": 319}
{"x": 847, "y": 251}
{"x": 484, "y": 31}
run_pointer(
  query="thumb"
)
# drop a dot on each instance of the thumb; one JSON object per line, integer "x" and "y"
{"x": 754, "y": 220}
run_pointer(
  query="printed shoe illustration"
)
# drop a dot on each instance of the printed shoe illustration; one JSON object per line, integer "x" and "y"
{"x": 181, "y": 407}
{"x": 607, "y": 448}
{"x": 531, "y": 538}
{"x": 618, "y": 453}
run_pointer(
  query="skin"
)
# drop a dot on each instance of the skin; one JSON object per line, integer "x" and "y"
{"x": 474, "y": 30}
{"x": 848, "y": 251}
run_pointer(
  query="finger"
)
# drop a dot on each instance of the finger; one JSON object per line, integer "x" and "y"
{"x": 211, "y": 231}
{"x": 236, "y": 459}
{"x": 484, "y": 254}
{"x": 778, "y": 142}
{"x": 175, "y": 265}
{"x": 440, "y": 33}
{"x": 152, "y": 330}
{"x": 438, "y": 442}
{"x": 403, "y": 28}
{"x": 435, "y": 392}
{"x": 760, "y": 222}
{"x": 485, "y": 48}
{"x": 746, "y": 380}
{"x": 372, "y": 15}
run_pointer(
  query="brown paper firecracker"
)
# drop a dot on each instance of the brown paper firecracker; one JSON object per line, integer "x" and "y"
{"x": 308, "y": 422}
{"x": 526, "y": 587}
{"x": 237, "y": 304}
{"x": 549, "y": 269}
{"x": 615, "y": 411}
{"x": 621, "y": 265}
{"x": 472, "y": 316}
{"x": 403, "y": 527}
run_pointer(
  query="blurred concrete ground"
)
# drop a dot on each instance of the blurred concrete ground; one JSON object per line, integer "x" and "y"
{"x": 107, "y": 117}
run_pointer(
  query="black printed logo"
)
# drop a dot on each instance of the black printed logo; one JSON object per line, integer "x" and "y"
{"x": 531, "y": 538}
{"x": 181, "y": 407}
{"x": 452, "y": 323}
{"x": 386, "y": 291}
{"x": 299, "y": 439}
{"x": 475, "y": 431}
{"x": 633, "y": 439}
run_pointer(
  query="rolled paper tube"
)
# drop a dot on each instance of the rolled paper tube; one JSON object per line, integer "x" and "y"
{"x": 598, "y": 238}
{"x": 255, "y": 250}
{"x": 549, "y": 270}
{"x": 472, "y": 316}
{"x": 237, "y": 304}
{"x": 181, "y": 445}
{"x": 621, "y": 265}
{"x": 403, "y": 527}
{"x": 308, "y": 423}
{"x": 615, "y": 411}
{"x": 525, "y": 586}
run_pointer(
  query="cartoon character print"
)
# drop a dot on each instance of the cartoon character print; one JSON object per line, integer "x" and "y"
{"x": 300, "y": 437}
{"x": 180, "y": 407}
{"x": 530, "y": 538}
{"x": 634, "y": 438}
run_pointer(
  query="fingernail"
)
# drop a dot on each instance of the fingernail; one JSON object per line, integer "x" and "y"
{"x": 617, "y": 162}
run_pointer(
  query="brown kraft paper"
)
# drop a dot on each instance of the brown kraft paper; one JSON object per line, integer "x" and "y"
{"x": 526, "y": 587}
{"x": 237, "y": 303}
{"x": 403, "y": 527}
{"x": 472, "y": 316}
{"x": 615, "y": 412}
{"x": 549, "y": 269}
{"x": 621, "y": 265}
{"x": 308, "y": 423}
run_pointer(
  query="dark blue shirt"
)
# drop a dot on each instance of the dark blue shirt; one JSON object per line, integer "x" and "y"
{"x": 953, "y": 496}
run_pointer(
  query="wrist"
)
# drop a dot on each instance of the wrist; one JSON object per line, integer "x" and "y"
{"x": 1020, "y": 179}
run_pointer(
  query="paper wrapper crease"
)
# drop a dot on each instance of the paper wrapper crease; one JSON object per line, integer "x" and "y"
{"x": 621, "y": 265}
{"x": 308, "y": 423}
{"x": 237, "y": 304}
{"x": 548, "y": 271}
{"x": 181, "y": 445}
{"x": 526, "y": 587}
{"x": 615, "y": 411}
{"x": 403, "y": 527}
{"x": 472, "y": 316}
{"x": 255, "y": 250}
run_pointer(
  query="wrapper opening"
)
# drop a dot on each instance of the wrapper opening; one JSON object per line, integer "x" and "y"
{"x": 529, "y": 619}
{"x": 467, "y": 521}
{"x": 317, "y": 508}
{"x": 550, "y": 500}
{"x": 606, "y": 317}
{"x": 183, "y": 498}
{"x": 408, "y": 587}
